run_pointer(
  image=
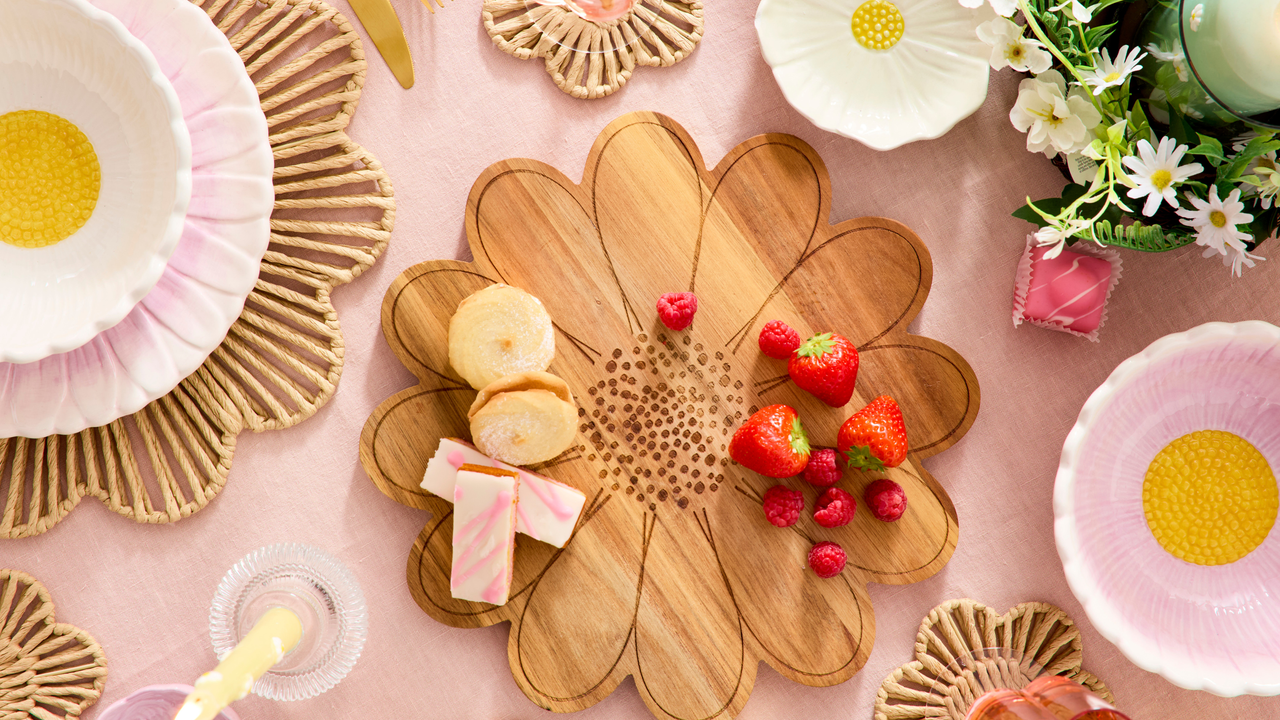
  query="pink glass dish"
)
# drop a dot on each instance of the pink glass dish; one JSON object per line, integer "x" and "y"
{"x": 1202, "y": 628}
{"x": 155, "y": 702}
{"x": 186, "y": 315}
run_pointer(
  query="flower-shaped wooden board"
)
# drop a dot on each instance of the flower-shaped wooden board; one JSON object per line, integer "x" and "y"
{"x": 673, "y": 575}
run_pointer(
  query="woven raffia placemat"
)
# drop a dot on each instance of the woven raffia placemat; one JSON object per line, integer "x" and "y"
{"x": 280, "y": 362}
{"x": 955, "y": 665}
{"x": 590, "y": 59}
{"x": 48, "y": 670}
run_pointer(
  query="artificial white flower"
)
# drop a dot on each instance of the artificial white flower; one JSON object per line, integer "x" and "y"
{"x": 1057, "y": 235}
{"x": 1053, "y": 120}
{"x": 1110, "y": 74}
{"x": 1235, "y": 256}
{"x": 1268, "y": 187}
{"x": 1004, "y": 8}
{"x": 1078, "y": 10}
{"x": 1215, "y": 220}
{"x": 1156, "y": 171}
{"x": 1178, "y": 59}
{"x": 1197, "y": 17}
{"x": 1010, "y": 49}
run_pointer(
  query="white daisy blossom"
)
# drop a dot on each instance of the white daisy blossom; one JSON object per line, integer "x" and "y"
{"x": 1110, "y": 74}
{"x": 1156, "y": 171}
{"x": 1215, "y": 220}
{"x": 1010, "y": 49}
{"x": 1053, "y": 120}
{"x": 1004, "y": 8}
{"x": 1078, "y": 10}
{"x": 1197, "y": 17}
{"x": 1178, "y": 59}
{"x": 1235, "y": 256}
{"x": 1057, "y": 235}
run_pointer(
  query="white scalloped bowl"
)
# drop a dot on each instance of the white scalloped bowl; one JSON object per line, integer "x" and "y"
{"x": 70, "y": 59}
{"x": 933, "y": 78}
{"x": 1214, "y": 628}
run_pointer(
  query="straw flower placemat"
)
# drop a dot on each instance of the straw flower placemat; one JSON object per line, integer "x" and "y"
{"x": 280, "y": 362}
{"x": 964, "y": 649}
{"x": 590, "y": 59}
{"x": 48, "y": 670}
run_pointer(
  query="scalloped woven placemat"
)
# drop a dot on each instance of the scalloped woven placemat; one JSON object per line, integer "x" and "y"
{"x": 334, "y": 211}
{"x": 944, "y": 679}
{"x": 589, "y": 59}
{"x": 48, "y": 670}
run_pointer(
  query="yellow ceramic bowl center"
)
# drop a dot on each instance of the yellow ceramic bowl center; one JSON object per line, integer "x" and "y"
{"x": 1210, "y": 497}
{"x": 49, "y": 178}
{"x": 877, "y": 25}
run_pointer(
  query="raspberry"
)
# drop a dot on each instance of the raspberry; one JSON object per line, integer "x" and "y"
{"x": 822, "y": 469}
{"x": 827, "y": 559}
{"x": 676, "y": 309}
{"x": 835, "y": 508}
{"x": 782, "y": 505}
{"x": 778, "y": 340}
{"x": 886, "y": 500}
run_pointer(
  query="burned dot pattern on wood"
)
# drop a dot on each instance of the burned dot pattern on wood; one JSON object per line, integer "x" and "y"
{"x": 660, "y": 424}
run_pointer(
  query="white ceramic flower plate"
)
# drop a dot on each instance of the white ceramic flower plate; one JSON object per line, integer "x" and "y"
{"x": 933, "y": 78}
{"x": 201, "y": 292}
{"x": 70, "y": 59}
{"x": 1214, "y": 628}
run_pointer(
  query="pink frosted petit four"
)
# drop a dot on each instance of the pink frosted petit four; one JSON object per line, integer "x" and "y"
{"x": 1067, "y": 293}
{"x": 547, "y": 511}
{"x": 484, "y": 533}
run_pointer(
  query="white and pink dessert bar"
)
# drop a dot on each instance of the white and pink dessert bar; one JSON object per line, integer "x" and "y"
{"x": 484, "y": 533}
{"x": 547, "y": 511}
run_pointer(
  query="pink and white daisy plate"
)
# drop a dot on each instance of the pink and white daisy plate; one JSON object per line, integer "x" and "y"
{"x": 170, "y": 333}
{"x": 1214, "y": 628}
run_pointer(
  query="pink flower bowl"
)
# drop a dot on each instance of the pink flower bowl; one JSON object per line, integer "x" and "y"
{"x": 1214, "y": 628}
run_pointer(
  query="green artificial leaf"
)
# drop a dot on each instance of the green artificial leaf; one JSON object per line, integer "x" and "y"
{"x": 1230, "y": 172}
{"x": 1096, "y": 37}
{"x": 1139, "y": 125}
{"x": 1104, "y": 5}
{"x": 1140, "y": 237}
{"x": 1264, "y": 224}
{"x": 1116, "y": 133}
{"x": 1180, "y": 129}
{"x": 1209, "y": 148}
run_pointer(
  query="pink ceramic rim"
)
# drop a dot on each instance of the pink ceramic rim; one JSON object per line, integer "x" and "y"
{"x": 1202, "y": 628}
{"x": 170, "y": 333}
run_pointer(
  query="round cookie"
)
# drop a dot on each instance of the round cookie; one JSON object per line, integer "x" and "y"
{"x": 498, "y": 331}
{"x": 523, "y": 427}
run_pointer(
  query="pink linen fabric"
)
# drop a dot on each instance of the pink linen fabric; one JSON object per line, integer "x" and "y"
{"x": 144, "y": 591}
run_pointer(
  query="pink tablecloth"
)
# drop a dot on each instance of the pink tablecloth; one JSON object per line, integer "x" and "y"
{"x": 144, "y": 591}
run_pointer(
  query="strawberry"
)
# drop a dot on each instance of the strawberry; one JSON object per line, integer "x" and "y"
{"x": 874, "y": 438}
{"x": 825, "y": 365}
{"x": 772, "y": 442}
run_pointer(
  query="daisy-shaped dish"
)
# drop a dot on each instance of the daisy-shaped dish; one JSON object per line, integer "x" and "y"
{"x": 884, "y": 73}
{"x": 220, "y": 239}
{"x": 673, "y": 574}
{"x": 1203, "y": 627}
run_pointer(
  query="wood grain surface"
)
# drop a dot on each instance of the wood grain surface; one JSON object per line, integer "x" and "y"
{"x": 673, "y": 576}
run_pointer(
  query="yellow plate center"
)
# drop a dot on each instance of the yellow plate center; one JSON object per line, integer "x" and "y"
{"x": 49, "y": 178}
{"x": 1210, "y": 497}
{"x": 877, "y": 24}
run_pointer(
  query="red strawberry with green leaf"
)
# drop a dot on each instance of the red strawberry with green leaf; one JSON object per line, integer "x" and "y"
{"x": 827, "y": 366}
{"x": 772, "y": 442}
{"x": 875, "y": 437}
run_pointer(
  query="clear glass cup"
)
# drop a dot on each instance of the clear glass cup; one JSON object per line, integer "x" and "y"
{"x": 1049, "y": 697}
{"x": 155, "y": 702}
{"x": 324, "y": 595}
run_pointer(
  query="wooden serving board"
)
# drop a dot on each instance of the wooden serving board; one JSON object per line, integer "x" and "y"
{"x": 673, "y": 576}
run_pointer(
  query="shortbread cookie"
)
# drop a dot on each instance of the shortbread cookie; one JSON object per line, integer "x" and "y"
{"x": 498, "y": 331}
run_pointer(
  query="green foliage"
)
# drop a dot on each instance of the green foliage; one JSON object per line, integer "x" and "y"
{"x": 1230, "y": 172}
{"x": 1144, "y": 238}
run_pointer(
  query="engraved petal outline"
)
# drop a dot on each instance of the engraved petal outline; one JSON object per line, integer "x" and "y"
{"x": 745, "y": 672}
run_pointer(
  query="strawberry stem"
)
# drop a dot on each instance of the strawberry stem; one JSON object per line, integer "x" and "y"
{"x": 799, "y": 439}
{"x": 861, "y": 457}
{"x": 816, "y": 346}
